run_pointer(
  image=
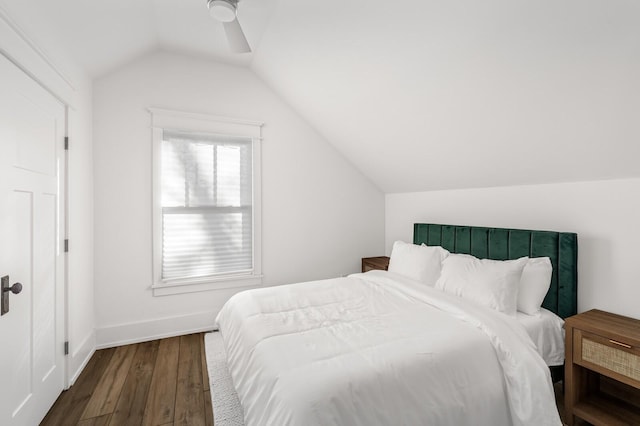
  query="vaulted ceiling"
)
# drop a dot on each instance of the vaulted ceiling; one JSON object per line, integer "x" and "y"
{"x": 418, "y": 95}
{"x": 103, "y": 35}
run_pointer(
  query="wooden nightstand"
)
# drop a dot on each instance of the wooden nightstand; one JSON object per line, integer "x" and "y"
{"x": 602, "y": 369}
{"x": 380, "y": 262}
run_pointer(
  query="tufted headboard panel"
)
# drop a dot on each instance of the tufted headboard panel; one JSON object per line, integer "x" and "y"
{"x": 505, "y": 244}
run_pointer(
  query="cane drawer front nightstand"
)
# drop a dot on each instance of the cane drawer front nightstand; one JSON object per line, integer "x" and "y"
{"x": 602, "y": 368}
{"x": 379, "y": 262}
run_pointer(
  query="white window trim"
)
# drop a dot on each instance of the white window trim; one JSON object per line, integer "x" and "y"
{"x": 164, "y": 119}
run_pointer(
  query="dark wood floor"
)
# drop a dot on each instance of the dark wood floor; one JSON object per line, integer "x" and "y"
{"x": 162, "y": 382}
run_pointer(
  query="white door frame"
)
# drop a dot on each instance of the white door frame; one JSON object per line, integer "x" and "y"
{"x": 65, "y": 237}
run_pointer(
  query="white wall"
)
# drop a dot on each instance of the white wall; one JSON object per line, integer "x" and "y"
{"x": 603, "y": 213}
{"x": 320, "y": 215}
{"x": 43, "y": 57}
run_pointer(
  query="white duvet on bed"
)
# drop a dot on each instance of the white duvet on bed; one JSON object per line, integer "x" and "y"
{"x": 380, "y": 349}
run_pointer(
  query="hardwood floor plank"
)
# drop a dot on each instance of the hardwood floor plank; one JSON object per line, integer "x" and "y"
{"x": 208, "y": 409}
{"x": 106, "y": 384}
{"x": 70, "y": 405}
{"x": 161, "y": 401}
{"x": 95, "y": 421}
{"x": 133, "y": 399}
{"x": 189, "y": 394}
{"x": 203, "y": 358}
{"x": 105, "y": 397}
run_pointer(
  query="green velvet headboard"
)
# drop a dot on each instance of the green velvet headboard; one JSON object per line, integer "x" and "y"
{"x": 504, "y": 244}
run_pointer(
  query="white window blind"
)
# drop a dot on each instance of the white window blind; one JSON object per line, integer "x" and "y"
{"x": 206, "y": 201}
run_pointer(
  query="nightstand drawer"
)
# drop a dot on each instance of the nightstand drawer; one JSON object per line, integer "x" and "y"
{"x": 610, "y": 357}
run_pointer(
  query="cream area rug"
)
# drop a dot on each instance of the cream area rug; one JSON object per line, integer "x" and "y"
{"x": 227, "y": 410}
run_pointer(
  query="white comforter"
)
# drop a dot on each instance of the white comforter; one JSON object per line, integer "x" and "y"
{"x": 379, "y": 349}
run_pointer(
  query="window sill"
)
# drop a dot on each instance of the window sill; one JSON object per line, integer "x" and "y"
{"x": 207, "y": 284}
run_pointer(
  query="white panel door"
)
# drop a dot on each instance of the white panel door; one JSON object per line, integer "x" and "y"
{"x": 32, "y": 125}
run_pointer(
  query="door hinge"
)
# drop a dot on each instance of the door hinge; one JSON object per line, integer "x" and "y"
{"x": 66, "y": 143}
{"x": 66, "y": 347}
{"x": 66, "y": 246}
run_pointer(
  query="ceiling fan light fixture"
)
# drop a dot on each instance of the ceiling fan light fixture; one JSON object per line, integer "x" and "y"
{"x": 222, "y": 10}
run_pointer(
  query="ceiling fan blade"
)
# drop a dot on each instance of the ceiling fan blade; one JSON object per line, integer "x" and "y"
{"x": 235, "y": 36}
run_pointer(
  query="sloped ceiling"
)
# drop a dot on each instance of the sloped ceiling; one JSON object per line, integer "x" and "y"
{"x": 418, "y": 95}
{"x": 425, "y": 95}
{"x": 104, "y": 35}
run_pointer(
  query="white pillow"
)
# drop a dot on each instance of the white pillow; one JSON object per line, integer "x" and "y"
{"x": 534, "y": 285}
{"x": 490, "y": 283}
{"x": 421, "y": 263}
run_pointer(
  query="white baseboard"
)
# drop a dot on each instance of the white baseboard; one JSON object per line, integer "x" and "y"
{"x": 143, "y": 331}
{"x": 80, "y": 356}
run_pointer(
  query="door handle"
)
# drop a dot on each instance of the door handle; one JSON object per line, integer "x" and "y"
{"x": 15, "y": 288}
{"x": 4, "y": 296}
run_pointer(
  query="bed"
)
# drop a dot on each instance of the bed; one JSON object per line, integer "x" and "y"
{"x": 382, "y": 348}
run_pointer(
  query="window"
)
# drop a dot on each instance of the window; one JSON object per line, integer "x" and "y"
{"x": 206, "y": 203}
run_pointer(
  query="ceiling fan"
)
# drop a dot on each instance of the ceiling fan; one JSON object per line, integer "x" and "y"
{"x": 226, "y": 11}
